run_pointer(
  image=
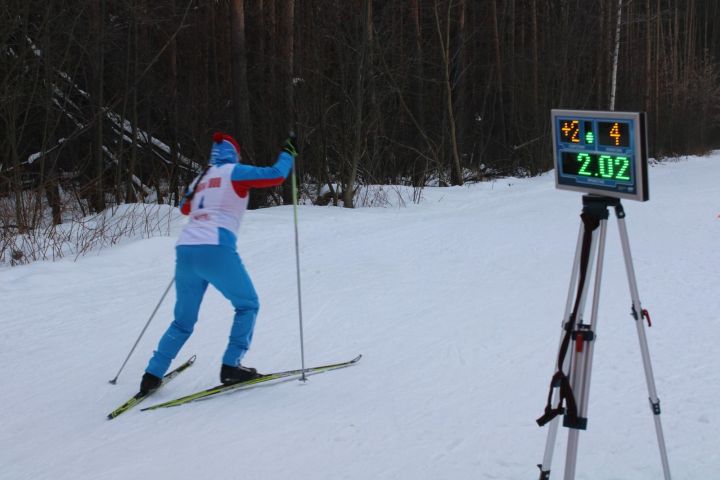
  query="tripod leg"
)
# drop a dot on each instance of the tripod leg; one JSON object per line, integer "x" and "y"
{"x": 649, "y": 377}
{"x": 553, "y": 427}
{"x": 582, "y": 359}
{"x": 567, "y": 363}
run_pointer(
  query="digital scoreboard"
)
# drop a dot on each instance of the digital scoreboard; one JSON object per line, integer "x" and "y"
{"x": 601, "y": 152}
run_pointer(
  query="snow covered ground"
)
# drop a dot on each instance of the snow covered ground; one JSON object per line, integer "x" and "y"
{"x": 456, "y": 306}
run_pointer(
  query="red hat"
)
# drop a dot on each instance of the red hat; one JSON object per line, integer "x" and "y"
{"x": 225, "y": 149}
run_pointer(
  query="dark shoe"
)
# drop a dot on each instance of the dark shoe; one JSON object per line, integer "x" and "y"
{"x": 237, "y": 374}
{"x": 149, "y": 383}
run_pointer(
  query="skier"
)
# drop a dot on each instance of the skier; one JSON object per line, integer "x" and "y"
{"x": 206, "y": 254}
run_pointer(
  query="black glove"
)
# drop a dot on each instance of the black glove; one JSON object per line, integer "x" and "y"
{"x": 289, "y": 145}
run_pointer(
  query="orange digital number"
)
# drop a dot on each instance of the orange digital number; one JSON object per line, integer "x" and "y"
{"x": 615, "y": 133}
{"x": 571, "y": 130}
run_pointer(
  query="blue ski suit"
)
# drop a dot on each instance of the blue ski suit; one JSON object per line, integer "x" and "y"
{"x": 206, "y": 250}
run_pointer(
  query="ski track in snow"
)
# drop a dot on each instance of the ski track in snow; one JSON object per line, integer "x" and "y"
{"x": 456, "y": 306}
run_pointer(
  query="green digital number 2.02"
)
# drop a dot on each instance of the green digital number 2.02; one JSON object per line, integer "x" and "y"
{"x": 585, "y": 159}
{"x": 606, "y": 166}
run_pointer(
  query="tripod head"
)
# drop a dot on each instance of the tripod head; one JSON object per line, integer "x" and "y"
{"x": 597, "y": 206}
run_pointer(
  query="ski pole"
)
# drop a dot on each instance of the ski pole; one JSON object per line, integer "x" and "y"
{"x": 114, "y": 380}
{"x": 297, "y": 263}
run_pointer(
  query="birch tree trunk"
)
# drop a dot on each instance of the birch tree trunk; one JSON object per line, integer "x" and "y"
{"x": 613, "y": 84}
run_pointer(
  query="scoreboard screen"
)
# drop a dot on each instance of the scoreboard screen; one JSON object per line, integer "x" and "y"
{"x": 601, "y": 152}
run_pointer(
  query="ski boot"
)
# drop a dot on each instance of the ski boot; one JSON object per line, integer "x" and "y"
{"x": 237, "y": 374}
{"x": 149, "y": 383}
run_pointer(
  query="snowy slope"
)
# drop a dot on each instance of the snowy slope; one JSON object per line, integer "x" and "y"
{"x": 456, "y": 305}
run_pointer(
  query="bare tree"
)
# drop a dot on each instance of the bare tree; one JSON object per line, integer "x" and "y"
{"x": 286, "y": 47}
{"x": 362, "y": 62}
{"x": 97, "y": 62}
{"x": 241, "y": 92}
{"x": 443, "y": 32}
{"x": 111, "y": 101}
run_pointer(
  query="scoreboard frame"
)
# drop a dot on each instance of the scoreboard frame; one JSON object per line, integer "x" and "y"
{"x": 601, "y": 152}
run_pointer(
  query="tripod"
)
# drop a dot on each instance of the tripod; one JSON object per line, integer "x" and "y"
{"x": 573, "y": 388}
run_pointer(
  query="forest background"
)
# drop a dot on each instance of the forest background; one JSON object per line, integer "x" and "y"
{"x": 112, "y": 102}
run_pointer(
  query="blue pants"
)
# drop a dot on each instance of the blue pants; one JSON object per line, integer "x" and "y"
{"x": 197, "y": 266}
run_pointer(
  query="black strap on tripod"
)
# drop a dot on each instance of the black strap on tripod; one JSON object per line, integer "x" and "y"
{"x": 591, "y": 221}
